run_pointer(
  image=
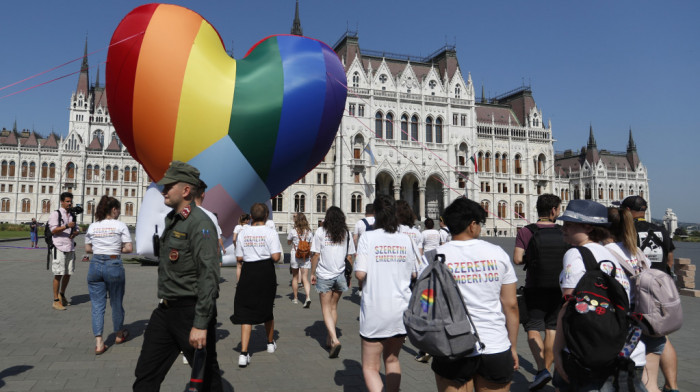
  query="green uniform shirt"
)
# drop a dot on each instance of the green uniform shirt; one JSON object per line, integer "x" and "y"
{"x": 188, "y": 263}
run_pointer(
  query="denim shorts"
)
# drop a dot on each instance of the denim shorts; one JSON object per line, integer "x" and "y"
{"x": 654, "y": 345}
{"x": 335, "y": 284}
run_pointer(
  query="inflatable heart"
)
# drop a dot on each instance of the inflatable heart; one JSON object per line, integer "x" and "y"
{"x": 252, "y": 127}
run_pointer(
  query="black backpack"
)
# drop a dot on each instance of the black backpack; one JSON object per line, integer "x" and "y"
{"x": 368, "y": 227}
{"x": 544, "y": 255}
{"x": 48, "y": 238}
{"x": 596, "y": 323}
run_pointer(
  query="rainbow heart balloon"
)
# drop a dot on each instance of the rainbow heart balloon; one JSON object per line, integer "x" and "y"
{"x": 251, "y": 126}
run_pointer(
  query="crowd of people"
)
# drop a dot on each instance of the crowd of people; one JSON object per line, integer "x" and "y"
{"x": 386, "y": 251}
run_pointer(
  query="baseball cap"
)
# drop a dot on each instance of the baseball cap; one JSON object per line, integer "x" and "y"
{"x": 180, "y": 172}
{"x": 635, "y": 203}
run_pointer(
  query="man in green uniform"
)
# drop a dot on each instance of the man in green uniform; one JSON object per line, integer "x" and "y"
{"x": 188, "y": 285}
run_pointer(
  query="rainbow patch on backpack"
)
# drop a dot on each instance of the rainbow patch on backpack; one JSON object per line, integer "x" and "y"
{"x": 427, "y": 299}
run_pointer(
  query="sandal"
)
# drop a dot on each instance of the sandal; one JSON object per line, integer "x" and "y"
{"x": 335, "y": 350}
{"x": 121, "y": 336}
{"x": 100, "y": 352}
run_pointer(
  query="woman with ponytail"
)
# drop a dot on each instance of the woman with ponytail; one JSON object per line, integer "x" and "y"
{"x": 107, "y": 238}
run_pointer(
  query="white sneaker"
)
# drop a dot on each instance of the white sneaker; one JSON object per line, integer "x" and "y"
{"x": 243, "y": 360}
{"x": 271, "y": 347}
{"x": 295, "y": 301}
{"x": 184, "y": 360}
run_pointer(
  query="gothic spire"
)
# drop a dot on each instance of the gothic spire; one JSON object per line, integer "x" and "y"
{"x": 483, "y": 94}
{"x": 84, "y": 66}
{"x": 296, "y": 25}
{"x": 630, "y": 144}
{"x": 591, "y": 139}
{"x": 97, "y": 79}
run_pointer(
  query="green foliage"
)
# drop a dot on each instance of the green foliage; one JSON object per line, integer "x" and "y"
{"x": 13, "y": 227}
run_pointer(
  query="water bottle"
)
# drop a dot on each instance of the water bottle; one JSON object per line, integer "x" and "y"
{"x": 197, "y": 376}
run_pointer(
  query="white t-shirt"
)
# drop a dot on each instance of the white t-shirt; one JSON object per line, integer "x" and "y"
{"x": 414, "y": 234}
{"x": 294, "y": 237}
{"x": 573, "y": 270}
{"x": 271, "y": 224}
{"x": 389, "y": 260}
{"x": 360, "y": 226}
{"x": 107, "y": 236}
{"x": 480, "y": 269}
{"x": 431, "y": 239}
{"x": 637, "y": 264}
{"x": 257, "y": 243}
{"x": 214, "y": 220}
{"x": 332, "y": 256}
{"x": 445, "y": 235}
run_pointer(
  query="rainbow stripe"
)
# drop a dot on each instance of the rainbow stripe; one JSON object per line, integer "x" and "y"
{"x": 427, "y": 299}
{"x": 253, "y": 126}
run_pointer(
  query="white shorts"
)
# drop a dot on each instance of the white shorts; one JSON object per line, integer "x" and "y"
{"x": 305, "y": 263}
{"x": 64, "y": 263}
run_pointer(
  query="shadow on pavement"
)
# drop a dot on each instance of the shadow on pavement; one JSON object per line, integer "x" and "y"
{"x": 79, "y": 299}
{"x": 317, "y": 331}
{"x": 350, "y": 378}
{"x": 13, "y": 371}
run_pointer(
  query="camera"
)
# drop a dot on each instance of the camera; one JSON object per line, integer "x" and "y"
{"x": 75, "y": 210}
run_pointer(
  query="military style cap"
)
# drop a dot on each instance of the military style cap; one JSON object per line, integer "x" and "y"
{"x": 180, "y": 172}
{"x": 635, "y": 203}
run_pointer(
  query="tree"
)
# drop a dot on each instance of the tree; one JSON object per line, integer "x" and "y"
{"x": 680, "y": 231}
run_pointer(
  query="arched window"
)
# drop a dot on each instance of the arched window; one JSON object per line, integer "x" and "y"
{"x": 100, "y": 136}
{"x": 587, "y": 192}
{"x": 46, "y": 206}
{"x": 487, "y": 162}
{"x": 504, "y": 163}
{"x": 356, "y": 79}
{"x": 5, "y": 205}
{"x": 601, "y": 194}
{"x": 12, "y": 169}
{"x": 518, "y": 164}
{"x": 438, "y": 130}
{"x": 26, "y": 205}
{"x": 462, "y": 154}
{"x": 299, "y": 203}
{"x": 622, "y": 193}
{"x": 498, "y": 162}
{"x": 631, "y": 191}
{"x": 577, "y": 193}
{"x": 52, "y": 170}
{"x": 5, "y": 169}
{"x": 458, "y": 91}
{"x": 414, "y": 128}
{"x": 277, "y": 203}
{"x": 96, "y": 172}
{"x": 32, "y": 169}
{"x": 502, "y": 209}
{"x": 480, "y": 161}
{"x": 389, "y": 126}
{"x": 90, "y": 208}
{"x": 356, "y": 203}
{"x": 25, "y": 170}
{"x": 404, "y": 127}
{"x": 611, "y": 192}
{"x": 378, "y": 125}
{"x": 321, "y": 201}
{"x": 134, "y": 174}
{"x": 70, "y": 170}
{"x": 485, "y": 206}
{"x": 129, "y": 209}
{"x": 562, "y": 195}
{"x": 44, "y": 170}
{"x": 429, "y": 129}
{"x": 115, "y": 173}
{"x": 641, "y": 192}
{"x": 108, "y": 173}
{"x": 519, "y": 214}
{"x": 567, "y": 195}
{"x": 541, "y": 161}
{"x": 88, "y": 172}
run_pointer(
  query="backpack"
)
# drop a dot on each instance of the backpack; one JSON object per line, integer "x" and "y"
{"x": 437, "y": 321}
{"x": 368, "y": 227}
{"x": 544, "y": 255}
{"x": 48, "y": 238}
{"x": 656, "y": 300}
{"x": 595, "y": 322}
{"x": 303, "y": 249}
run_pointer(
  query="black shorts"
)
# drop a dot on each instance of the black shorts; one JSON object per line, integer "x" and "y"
{"x": 496, "y": 368}
{"x": 543, "y": 306}
{"x": 375, "y": 340}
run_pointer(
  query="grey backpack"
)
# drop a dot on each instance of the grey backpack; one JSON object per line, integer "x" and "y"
{"x": 437, "y": 321}
{"x": 656, "y": 299}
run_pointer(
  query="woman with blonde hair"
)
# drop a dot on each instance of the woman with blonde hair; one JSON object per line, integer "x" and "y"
{"x": 301, "y": 232}
{"x": 107, "y": 238}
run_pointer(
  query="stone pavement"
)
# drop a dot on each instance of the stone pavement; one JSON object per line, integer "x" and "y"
{"x": 42, "y": 349}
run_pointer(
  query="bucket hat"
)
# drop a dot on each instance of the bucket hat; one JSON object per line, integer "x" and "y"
{"x": 585, "y": 211}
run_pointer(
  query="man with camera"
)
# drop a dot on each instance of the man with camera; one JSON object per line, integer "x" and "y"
{"x": 63, "y": 230}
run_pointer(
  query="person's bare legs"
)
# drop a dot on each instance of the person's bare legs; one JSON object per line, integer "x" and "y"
{"x": 270, "y": 330}
{"x": 549, "y": 335}
{"x": 534, "y": 340}
{"x": 295, "y": 283}
{"x": 392, "y": 366}
{"x": 56, "y": 285}
{"x": 329, "y": 309}
{"x": 651, "y": 373}
{"x": 245, "y": 336}
{"x": 304, "y": 273}
{"x": 669, "y": 365}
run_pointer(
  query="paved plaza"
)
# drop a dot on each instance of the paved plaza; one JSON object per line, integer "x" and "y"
{"x": 42, "y": 349}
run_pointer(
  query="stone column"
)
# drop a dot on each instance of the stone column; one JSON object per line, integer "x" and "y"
{"x": 397, "y": 192}
{"x": 421, "y": 202}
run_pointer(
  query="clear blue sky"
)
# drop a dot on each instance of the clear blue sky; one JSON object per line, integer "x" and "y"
{"x": 614, "y": 65}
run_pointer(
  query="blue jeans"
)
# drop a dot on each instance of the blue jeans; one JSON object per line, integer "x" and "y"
{"x": 106, "y": 275}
